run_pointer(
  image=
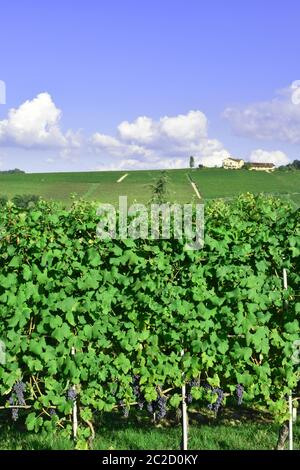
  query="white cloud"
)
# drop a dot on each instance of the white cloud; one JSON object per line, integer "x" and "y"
{"x": 165, "y": 143}
{"x": 146, "y": 143}
{"x": 143, "y": 143}
{"x": 190, "y": 127}
{"x": 35, "y": 124}
{"x": 115, "y": 147}
{"x": 264, "y": 156}
{"x": 142, "y": 130}
{"x": 278, "y": 119}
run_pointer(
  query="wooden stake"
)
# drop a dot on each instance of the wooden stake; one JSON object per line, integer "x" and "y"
{"x": 285, "y": 286}
{"x": 290, "y": 422}
{"x": 184, "y": 415}
{"x": 75, "y": 418}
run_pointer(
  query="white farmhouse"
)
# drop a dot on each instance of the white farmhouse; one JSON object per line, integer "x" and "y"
{"x": 233, "y": 163}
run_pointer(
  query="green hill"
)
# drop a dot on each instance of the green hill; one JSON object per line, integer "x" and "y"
{"x": 103, "y": 186}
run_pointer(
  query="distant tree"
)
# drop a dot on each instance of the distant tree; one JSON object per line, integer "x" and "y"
{"x": 200, "y": 166}
{"x": 192, "y": 162}
{"x": 296, "y": 164}
{"x": 284, "y": 168}
{"x": 159, "y": 189}
{"x": 246, "y": 166}
{"x": 16, "y": 171}
{"x": 12, "y": 172}
{"x": 25, "y": 201}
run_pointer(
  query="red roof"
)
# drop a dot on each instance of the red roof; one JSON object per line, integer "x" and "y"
{"x": 263, "y": 165}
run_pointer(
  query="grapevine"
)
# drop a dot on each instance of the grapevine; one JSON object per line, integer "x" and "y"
{"x": 129, "y": 307}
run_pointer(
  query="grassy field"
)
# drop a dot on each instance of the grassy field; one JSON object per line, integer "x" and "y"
{"x": 103, "y": 186}
{"x": 121, "y": 434}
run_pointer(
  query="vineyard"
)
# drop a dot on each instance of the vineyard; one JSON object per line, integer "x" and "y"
{"x": 103, "y": 186}
{"x": 93, "y": 326}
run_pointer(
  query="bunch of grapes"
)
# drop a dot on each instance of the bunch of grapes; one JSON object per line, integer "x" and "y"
{"x": 194, "y": 382}
{"x": 190, "y": 384}
{"x": 71, "y": 394}
{"x": 52, "y": 412}
{"x": 158, "y": 406}
{"x": 239, "y": 393}
{"x": 189, "y": 398}
{"x": 19, "y": 389}
{"x": 14, "y": 411}
{"x": 137, "y": 392}
{"x": 15, "y": 414}
{"x": 18, "y": 392}
{"x": 207, "y": 387}
{"x": 125, "y": 409}
{"x": 215, "y": 406}
{"x": 150, "y": 407}
{"x": 161, "y": 407}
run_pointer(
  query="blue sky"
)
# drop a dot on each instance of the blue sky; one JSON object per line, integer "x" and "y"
{"x": 127, "y": 84}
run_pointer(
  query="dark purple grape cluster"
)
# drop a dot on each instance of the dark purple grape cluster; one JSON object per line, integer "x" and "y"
{"x": 161, "y": 407}
{"x": 18, "y": 393}
{"x": 15, "y": 414}
{"x": 71, "y": 394}
{"x": 52, "y": 412}
{"x": 137, "y": 391}
{"x": 194, "y": 382}
{"x": 239, "y": 393}
{"x": 14, "y": 411}
{"x": 150, "y": 407}
{"x": 220, "y": 395}
{"x": 189, "y": 398}
{"x": 207, "y": 387}
{"x": 158, "y": 406}
{"x": 125, "y": 409}
{"x": 19, "y": 389}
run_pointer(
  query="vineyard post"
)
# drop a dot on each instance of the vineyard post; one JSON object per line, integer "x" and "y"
{"x": 75, "y": 420}
{"x": 184, "y": 414}
{"x": 285, "y": 285}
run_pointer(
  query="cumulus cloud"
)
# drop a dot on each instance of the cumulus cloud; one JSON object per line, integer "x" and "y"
{"x": 141, "y": 143}
{"x": 115, "y": 147}
{"x": 185, "y": 128}
{"x": 36, "y": 124}
{"x": 163, "y": 143}
{"x": 147, "y": 143}
{"x": 264, "y": 156}
{"x": 278, "y": 119}
{"x": 143, "y": 130}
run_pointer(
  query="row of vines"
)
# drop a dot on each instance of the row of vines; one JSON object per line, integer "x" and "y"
{"x": 104, "y": 323}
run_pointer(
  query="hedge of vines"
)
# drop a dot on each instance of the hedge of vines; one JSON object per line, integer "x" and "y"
{"x": 129, "y": 307}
